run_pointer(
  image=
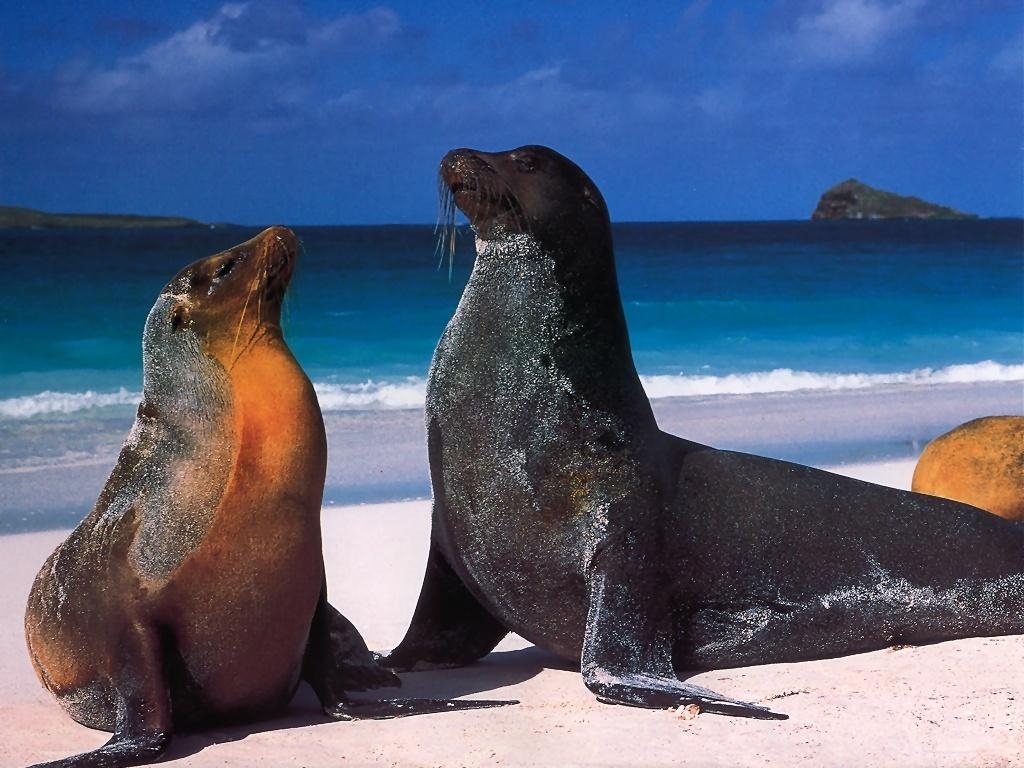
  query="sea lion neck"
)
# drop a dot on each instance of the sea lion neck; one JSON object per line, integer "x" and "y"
{"x": 582, "y": 272}
{"x": 520, "y": 289}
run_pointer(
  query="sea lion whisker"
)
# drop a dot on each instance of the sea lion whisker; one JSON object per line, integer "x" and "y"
{"x": 241, "y": 319}
{"x": 440, "y": 229}
{"x": 452, "y": 229}
{"x": 501, "y": 198}
{"x": 446, "y": 224}
{"x": 452, "y": 233}
{"x": 257, "y": 335}
{"x": 261, "y": 287}
{"x": 443, "y": 193}
{"x": 513, "y": 207}
{"x": 511, "y": 204}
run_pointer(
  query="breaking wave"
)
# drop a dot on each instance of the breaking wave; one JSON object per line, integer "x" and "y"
{"x": 409, "y": 392}
{"x": 788, "y": 380}
{"x": 370, "y": 395}
{"x": 45, "y": 403}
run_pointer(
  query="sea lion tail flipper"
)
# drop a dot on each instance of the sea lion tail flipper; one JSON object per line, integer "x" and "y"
{"x": 387, "y": 709}
{"x": 449, "y": 627}
{"x": 627, "y": 656}
{"x": 337, "y": 659}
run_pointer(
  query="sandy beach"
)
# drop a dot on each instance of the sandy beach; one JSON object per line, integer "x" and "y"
{"x": 949, "y": 704}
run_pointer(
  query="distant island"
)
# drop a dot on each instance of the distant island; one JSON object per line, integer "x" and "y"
{"x": 26, "y": 218}
{"x": 852, "y": 199}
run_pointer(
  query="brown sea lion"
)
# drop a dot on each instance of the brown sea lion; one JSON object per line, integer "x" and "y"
{"x": 980, "y": 463}
{"x": 193, "y": 593}
{"x": 563, "y": 513}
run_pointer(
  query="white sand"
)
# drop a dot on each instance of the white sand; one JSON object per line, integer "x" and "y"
{"x": 950, "y": 704}
{"x": 895, "y": 474}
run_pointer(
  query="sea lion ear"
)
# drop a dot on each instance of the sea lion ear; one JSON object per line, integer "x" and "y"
{"x": 178, "y": 316}
{"x": 588, "y": 196}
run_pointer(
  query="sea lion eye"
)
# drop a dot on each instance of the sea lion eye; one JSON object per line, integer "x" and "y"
{"x": 524, "y": 163}
{"x": 224, "y": 268}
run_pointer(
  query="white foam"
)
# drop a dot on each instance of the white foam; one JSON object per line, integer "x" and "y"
{"x": 49, "y": 402}
{"x": 788, "y": 380}
{"x": 407, "y": 393}
{"x": 410, "y": 392}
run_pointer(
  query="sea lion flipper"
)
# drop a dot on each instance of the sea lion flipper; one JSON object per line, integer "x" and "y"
{"x": 662, "y": 692}
{"x": 143, "y": 727}
{"x": 118, "y": 752}
{"x": 337, "y": 660}
{"x": 449, "y": 628}
{"x": 628, "y": 660}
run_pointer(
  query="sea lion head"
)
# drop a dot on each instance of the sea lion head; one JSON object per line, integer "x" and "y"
{"x": 242, "y": 284}
{"x": 532, "y": 190}
{"x": 216, "y": 309}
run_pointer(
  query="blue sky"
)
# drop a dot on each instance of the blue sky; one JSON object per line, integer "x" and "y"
{"x": 293, "y": 112}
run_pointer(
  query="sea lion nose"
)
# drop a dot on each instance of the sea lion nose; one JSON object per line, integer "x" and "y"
{"x": 459, "y": 164}
{"x": 283, "y": 237}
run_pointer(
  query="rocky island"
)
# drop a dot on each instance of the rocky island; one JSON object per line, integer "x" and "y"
{"x": 852, "y": 199}
{"x": 26, "y": 218}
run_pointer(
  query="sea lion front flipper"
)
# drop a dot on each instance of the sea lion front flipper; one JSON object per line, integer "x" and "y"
{"x": 143, "y": 727}
{"x": 337, "y": 659}
{"x": 449, "y": 627}
{"x": 627, "y": 657}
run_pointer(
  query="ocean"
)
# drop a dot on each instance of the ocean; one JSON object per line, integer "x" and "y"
{"x": 714, "y": 309}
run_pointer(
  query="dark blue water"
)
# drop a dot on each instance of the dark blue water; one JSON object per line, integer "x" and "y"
{"x": 712, "y": 308}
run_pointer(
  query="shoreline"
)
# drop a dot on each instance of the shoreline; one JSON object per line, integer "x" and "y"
{"x": 52, "y": 470}
{"x": 947, "y": 705}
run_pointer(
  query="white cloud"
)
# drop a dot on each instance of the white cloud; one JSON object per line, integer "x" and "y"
{"x": 543, "y": 97}
{"x": 376, "y": 25}
{"x": 542, "y": 102}
{"x": 217, "y": 60}
{"x": 1010, "y": 59}
{"x": 721, "y": 103}
{"x": 847, "y": 32}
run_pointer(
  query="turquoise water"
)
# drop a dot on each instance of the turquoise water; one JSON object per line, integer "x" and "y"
{"x": 712, "y": 308}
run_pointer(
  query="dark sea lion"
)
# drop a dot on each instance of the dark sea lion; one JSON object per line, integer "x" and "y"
{"x": 563, "y": 513}
{"x": 980, "y": 463}
{"x": 193, "y": 593}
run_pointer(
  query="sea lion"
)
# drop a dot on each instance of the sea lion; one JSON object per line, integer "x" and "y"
{"x": 193, "y": 593}
{"x": 980, "y": 463}
{"x": 562, "y": 512}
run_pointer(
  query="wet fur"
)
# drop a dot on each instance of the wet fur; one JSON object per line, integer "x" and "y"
{"x": 188, "y": 595}
{"x": 563, "y": 513}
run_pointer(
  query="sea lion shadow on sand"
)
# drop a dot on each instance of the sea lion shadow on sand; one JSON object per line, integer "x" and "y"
{"x": 498, "y": 669}
{"x": 303, "y": 711}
